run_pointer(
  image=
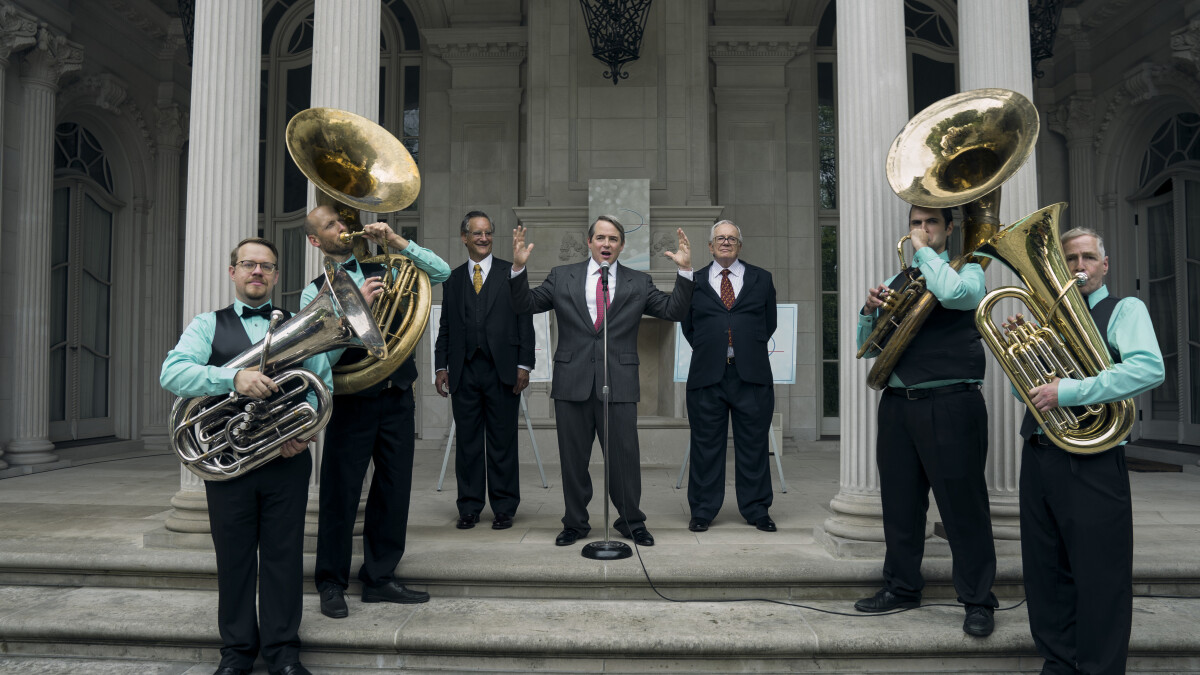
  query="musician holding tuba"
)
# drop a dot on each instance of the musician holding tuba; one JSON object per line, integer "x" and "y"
{"x": 257, "y": 518}
{"x": 1076, "y": 514}
{"x": 375, "y": 423}
{"x": 933, "y": 433}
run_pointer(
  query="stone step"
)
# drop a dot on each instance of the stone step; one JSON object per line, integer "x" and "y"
{"x": 578, "y": 636}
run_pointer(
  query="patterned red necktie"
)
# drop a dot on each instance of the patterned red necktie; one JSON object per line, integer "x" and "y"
{"x": 726, "y": 290}
{"x": 601, "y": 304}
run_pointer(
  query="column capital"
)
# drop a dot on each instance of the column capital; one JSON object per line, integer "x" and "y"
{"x": 172, "y": 126}
{"x": 52, "y": 57}
{"x": 1185, "y": 46}
{"x": 1073, "y": 118}
{"x": 18, "y": 31}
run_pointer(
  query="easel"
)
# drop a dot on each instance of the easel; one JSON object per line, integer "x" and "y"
{"x": 687, "y": 452}
{"x": 528, "y": 427}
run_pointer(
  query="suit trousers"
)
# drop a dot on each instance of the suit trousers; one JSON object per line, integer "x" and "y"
{"x": 940, "y": 443}
{"x": 362, "y": 429}
{"x": 578, "y": 424}
{"x": 485, "y": 409}
{"x": 257, "y": 524}
{"x": 709, "y": 411}
{"x": 1077, "y": 557}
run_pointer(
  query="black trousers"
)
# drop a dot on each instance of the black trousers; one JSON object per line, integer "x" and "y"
{"x": 258, "y": 532}
{"x": 1077, "y": 557}
{"x": 940, "y": 443}
{"x": 486, "y": 409}
{"x": 365, "y": 428}
{"x": 579, "y": 424}
{"x": 709, "y": 411}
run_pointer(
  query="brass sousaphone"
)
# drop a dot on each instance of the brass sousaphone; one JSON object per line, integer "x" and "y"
{"x": 357, "y": 165}
{"x": 956, "y": 152}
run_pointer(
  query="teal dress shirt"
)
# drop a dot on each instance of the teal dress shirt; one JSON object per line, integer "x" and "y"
{"x": 185, "y": 373}
{"x": 961, "y": 290}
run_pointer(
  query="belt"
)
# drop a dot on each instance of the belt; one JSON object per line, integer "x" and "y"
{"x": 914, "y": 394}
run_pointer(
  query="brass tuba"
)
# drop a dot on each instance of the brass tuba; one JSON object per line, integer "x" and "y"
{"x": 1065, "y": 343}
{"x": 956, "y": 152}
{"x": 223, "y": 437}
{"x": 355, "y": 165}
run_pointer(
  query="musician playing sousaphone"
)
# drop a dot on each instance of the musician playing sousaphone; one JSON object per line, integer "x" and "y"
{"x": 257, "y": 517}
{"x": 933, "y": 432}
{"x": 1076, "y": 514}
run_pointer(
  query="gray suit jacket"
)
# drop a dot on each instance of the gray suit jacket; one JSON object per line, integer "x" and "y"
{"x": 579, "y": 357}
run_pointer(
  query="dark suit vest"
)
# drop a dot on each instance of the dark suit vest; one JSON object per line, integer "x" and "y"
{"x": 475, "y": 315}
{"x": 1101, "y": 313}
{"x": 947, "y": 347}
{"x": 402, "y": 377}
{"x": 229, "y": 336}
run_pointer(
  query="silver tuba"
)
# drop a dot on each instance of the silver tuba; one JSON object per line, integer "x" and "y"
{"x": 223, "y": 437}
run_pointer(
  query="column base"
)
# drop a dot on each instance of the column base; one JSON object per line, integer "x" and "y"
{"x": 855, "y": 530}
{"x": 28, "y": 451}
{"x": 191, "y": 513}
{"x": 156, "y": 438}
{"x": 1006, "y": 516}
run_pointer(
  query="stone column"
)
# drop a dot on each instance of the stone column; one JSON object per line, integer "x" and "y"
{"x": 546, "y": 83}
{"x": 222, "y": 179}
{"x": 1073, "y": 119}
{"x": 987, "y": 62}
{"x": 41, "y": 69}
{"x": 163, "y": 327}
{"x": 18, "y": 32}
{"x": 871, "y": 77}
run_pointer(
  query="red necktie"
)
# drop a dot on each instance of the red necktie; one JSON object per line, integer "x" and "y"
{"x": 601, "y": 304}
{"x": 726, "y": 290}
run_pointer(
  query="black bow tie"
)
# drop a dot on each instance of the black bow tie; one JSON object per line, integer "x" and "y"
{"x": 264, "y": 311}
{"x": 350, "y": 265}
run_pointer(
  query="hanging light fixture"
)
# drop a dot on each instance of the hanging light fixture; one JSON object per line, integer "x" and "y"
{"x": 1043, "y": 28}
{"x": 615, "y": 28}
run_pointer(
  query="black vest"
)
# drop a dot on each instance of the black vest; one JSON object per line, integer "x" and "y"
{"x": 403, "y": 376}
{"x": 229, "y": 336}
{"x": 475, "y": 312}
{"x": 946, "y": 348}
{"x": 1101, "y": 313}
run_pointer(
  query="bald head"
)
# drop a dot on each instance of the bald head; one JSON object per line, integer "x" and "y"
{"x": 318, "y": 217}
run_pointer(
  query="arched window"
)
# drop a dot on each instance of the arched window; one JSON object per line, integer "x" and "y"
{"x": 287, "y": 89}
{"x": 1168, "y": 204}
{"x": 81, "y": 279}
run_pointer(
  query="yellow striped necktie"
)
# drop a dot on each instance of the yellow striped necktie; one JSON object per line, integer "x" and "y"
{"x": 477, "y": 280}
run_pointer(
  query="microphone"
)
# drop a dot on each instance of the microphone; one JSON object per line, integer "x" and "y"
{"x": 604, "y": 273}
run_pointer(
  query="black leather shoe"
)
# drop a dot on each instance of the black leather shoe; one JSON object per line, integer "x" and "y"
{"x": 333, "y": 602}
{"x": 979, "y": 621}
{"x": 640, "y": 535}
{"x": 567, "y": 537}
{"x": 885, "y": 601}
{"x": 230, "y": 670}
{"x": 765, "y": 524}
{"x": 467, "y": 522}
{"x": 393, "y": 591}
{"x": 292, "y": 669}
{"x": 698, "y": 525}
{"x": 503, "y": 521}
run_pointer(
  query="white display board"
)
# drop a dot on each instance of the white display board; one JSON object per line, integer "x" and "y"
{"x": 541, "y": 348}
{"x": 781, "y": 347}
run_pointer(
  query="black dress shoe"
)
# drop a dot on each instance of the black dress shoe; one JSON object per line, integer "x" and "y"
{"x": 292, "y": 669}
{"x": 979, "y": 621}
{"x": 885, "y": 601}
{"x": 640, "y": 535}
{"x": 230, "y": 670}
{"x": 765, "y": 524}
{"x": 567, "y": 537}
{"x": 698, "y": 525}
{"x": 503, "y": 521}
{"x": 467, "y": 522}
{"x": 333, "y": 602}
{"x": 393, "y": 591}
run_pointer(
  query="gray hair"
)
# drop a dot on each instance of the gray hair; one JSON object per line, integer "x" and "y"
{"x": 1077, "y": 232}
{"x": 713, "y": 232}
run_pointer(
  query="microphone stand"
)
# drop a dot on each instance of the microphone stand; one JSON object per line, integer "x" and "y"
{"x": 607, "y": 549}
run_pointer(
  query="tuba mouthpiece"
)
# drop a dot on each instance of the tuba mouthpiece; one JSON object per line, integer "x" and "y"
{"x": 1081, "y": 278}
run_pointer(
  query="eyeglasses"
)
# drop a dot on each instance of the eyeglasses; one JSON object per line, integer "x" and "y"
{"x": 726, "y": 240}
{"x": 249, "y": 265}
{"x": 480, "y": 235}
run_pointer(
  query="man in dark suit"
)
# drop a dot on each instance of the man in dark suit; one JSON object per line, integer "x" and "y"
{"x": 580, "y": 300}
{"x": 484, "y": 352}
{"x": 728, "y": 325}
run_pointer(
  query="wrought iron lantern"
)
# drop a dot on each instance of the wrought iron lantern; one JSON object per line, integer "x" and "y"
{"x": 615, "y": 28}
{"x": 1043, "y": 27}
